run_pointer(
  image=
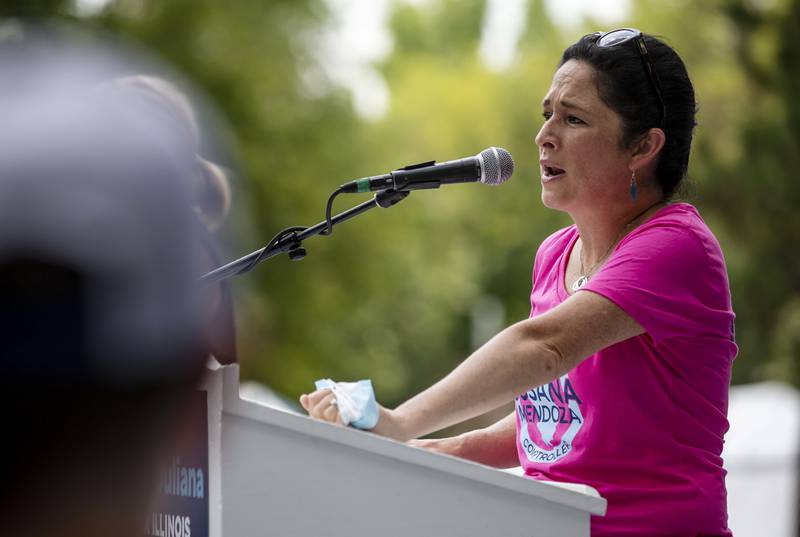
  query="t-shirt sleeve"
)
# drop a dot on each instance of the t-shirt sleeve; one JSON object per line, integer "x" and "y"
{"x": 670, "y": 280}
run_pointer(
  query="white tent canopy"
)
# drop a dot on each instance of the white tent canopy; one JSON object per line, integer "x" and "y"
{"x": 761, "y": 455}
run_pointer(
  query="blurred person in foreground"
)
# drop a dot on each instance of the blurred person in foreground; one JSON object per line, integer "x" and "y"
{"x": 101, "y": 333}
{"x": 210, "y": 199}
{"x": 621, "y": 373}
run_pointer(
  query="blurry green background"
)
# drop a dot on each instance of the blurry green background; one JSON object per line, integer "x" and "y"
{"x": 402, "y": 295}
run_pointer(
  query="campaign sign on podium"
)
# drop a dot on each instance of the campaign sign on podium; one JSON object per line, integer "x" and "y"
{"x": 180, "y": 508}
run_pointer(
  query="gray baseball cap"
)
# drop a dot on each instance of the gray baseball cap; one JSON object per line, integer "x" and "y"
{"x": 98, "y": 245}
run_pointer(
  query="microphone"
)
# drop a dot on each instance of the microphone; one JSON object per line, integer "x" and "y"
{"x": 491, "y": 166}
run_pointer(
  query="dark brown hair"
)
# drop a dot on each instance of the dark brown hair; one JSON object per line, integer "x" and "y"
{"x": 624, "y": 86}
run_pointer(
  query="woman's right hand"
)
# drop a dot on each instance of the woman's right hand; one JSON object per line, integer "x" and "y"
{"x": 446, "y": 446}
{"x": 493, "y": 446}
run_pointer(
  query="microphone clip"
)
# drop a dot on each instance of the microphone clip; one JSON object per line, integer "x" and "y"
{"x": 387, "y": 198}
{"x": 420, "y": 165}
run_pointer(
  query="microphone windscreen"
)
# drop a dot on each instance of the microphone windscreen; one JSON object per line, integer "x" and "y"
{"x": 497, "y": 166}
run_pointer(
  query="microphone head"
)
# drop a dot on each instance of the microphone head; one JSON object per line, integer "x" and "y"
{"x": 496, "y": 165}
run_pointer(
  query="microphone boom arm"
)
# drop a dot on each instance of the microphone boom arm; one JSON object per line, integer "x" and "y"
{"x": 292, "y": 240}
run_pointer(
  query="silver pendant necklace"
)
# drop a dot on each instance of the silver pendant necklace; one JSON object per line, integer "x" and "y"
{"x": 582, "y": 280}
{"x": 584, "y": 276}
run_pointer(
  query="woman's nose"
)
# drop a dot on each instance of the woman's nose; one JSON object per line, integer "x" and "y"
{"x": 545, "y": 137}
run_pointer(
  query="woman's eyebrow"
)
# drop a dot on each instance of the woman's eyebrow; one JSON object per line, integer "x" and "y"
{"x": 565, "y": 103}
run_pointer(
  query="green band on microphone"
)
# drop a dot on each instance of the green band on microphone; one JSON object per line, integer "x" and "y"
{"x": 363, "y": 185}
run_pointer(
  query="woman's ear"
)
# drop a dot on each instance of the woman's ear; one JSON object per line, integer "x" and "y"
{"x": 647, "y": 149}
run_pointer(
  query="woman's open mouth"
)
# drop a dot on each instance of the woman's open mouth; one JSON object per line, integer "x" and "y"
{"x": 549, "y": 173}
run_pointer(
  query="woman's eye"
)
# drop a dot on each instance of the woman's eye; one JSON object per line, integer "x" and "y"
{"x": 574, "y": 120}
{"x": 547, "y": 115}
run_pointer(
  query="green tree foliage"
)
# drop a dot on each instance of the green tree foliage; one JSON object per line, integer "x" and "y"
{"x": 391, "y": 295}
{"x": 757, "y": 194}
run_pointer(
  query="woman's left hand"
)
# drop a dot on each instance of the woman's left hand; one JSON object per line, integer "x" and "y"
{"x": 321, "y": 405}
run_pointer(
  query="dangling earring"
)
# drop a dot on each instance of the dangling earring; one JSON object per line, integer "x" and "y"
{"x": 633, "y": 185}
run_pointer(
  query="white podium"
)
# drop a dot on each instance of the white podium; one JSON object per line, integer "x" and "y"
{"x": 276, "y": 473}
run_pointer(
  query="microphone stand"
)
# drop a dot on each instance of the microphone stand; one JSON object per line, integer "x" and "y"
{"x": 291, "y": 242}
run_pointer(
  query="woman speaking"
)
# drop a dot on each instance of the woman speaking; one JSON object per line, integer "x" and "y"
{"x": 621, "y": 373}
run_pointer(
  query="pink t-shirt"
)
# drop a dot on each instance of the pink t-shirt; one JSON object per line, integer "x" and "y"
{"x": 642, "y": 421}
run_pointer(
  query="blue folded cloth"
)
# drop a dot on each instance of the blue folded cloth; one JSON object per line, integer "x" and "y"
{"x": 356, "y": 402}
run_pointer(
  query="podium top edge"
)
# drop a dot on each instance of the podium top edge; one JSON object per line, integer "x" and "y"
{"x": 575, "y": 495}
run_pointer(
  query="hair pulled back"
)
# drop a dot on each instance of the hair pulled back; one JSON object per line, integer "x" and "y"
{"x": 624, "y": 86}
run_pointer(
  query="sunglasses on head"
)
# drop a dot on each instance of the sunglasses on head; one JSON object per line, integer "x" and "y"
{"x": 621, "y": 36}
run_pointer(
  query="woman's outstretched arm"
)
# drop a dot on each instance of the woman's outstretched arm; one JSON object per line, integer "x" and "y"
{"x": 524, "y": 355}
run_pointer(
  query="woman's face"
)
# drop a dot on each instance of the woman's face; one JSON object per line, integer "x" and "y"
{"x": 582, "y": 163}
